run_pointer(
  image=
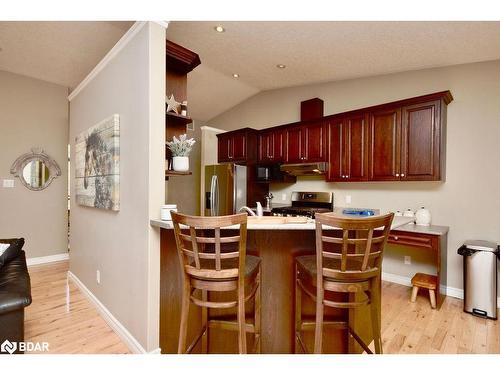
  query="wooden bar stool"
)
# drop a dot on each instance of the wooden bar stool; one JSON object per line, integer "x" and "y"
{"x": 347, "y": 263}
{"x": 211, "y": 265}
{"x": 422, "y": 280}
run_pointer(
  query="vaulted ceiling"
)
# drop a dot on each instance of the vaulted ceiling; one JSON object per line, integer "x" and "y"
{"x": 58, "y": 52}
{"x": 316, "y": 52}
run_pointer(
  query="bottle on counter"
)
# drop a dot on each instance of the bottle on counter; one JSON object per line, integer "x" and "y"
{"x": 423, "y": 216}
{"x": 409, "y": 213}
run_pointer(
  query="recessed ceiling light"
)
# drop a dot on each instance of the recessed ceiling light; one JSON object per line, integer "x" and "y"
{"x": 236, "y": 75}
{"x": 281, "y": 66}
{"x": 219, "y": 29}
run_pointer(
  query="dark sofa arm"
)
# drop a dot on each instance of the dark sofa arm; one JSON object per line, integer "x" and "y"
{"x": 15, "y": 286}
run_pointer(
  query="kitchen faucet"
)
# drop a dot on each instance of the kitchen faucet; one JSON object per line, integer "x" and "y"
{"x": 247, "y": 209}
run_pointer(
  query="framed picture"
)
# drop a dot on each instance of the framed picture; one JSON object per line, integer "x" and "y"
{"x": 97, "y": 165}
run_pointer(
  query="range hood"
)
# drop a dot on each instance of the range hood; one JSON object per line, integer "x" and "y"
{"x": 304, "y": 169}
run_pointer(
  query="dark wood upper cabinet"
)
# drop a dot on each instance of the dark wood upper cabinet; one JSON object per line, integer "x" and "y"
{"x": 348, "y": 148}
{"x": 239, "y": 146}
{"x": 271, "y": 146}
{"x": 315, "y": 142}
{"x": 335, "y": 150}
{"x": 398, "y": 141}
{"x": 385, "y": 144}
{"x": 355, "y": 150}
{"x": 305, "y": 143}
{"x": 294, "y": 144}
{"x": 422, "y": 134}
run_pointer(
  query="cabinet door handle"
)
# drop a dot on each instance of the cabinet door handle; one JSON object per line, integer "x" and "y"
{"x": 402, "y": 174}
{"x": 397, "y": 174}
{"x": 396, "y": 238}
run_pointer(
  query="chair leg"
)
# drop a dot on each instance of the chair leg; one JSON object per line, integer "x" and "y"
{"x": 257, "y": 313}
{"x": 298, "y": 311}
{"x": 242, "y": 334}
{"x": 318, "y": 332}
{"x": 184, "y": 316}
{"x": 375, "y": 315}
{"x": 204, "y": 323}
{"x": 414, "y": 293}
{"x": 432, "y": 296}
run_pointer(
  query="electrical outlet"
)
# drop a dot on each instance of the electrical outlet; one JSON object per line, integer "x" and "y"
{"x": 283, "y": 197}
{"x": 98, "y": 277}
{"x": 348, "y": 199}
{"x": 8, "y": 183}
{"x": 407, "y": 259}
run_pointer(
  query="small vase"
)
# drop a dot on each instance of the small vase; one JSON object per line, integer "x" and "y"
{"x": 180, "y": 163}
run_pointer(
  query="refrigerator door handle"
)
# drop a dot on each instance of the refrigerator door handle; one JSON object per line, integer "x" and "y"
{"x": 212, "y": 196}
{"x": 216, "y": 189}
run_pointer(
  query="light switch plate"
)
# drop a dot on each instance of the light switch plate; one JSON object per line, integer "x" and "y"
{"x": 348, "y": 199}
{"x": 8, "y": 183}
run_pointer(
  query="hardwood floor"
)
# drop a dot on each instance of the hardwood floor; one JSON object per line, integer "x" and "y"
{"x": 79, "y": 330}
{"x": 416, "y": 328}
{"x": 406, "y": 327}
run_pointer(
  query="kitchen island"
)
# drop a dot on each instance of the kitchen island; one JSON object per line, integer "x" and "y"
{"x": 277, "y": 245}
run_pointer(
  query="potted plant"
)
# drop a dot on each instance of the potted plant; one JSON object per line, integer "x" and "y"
{"x": 180, "y": 149}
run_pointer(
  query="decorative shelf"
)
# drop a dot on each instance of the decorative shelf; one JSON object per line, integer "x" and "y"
{"x": 179, "y": 118}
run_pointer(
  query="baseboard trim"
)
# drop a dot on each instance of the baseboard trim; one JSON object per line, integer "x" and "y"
{"x": 129, "y": 340}
{"x": 47, "y": 259}
{"x": 406, "y": 281}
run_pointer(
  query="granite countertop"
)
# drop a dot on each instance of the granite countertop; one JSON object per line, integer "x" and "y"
{"x": 397, "y": 223}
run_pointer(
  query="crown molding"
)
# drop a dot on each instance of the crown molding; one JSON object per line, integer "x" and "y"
{"x": 127, "y": 37}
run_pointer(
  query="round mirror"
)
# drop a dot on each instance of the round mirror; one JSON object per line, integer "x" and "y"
{"x": 35, "y": 169}
{"x": 36, "y": 174}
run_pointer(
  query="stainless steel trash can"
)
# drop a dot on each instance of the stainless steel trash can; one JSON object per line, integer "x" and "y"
{"x": 480, "y": 278}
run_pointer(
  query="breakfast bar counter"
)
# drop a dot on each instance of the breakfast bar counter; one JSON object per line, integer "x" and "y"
{"x": 277, "y": 245}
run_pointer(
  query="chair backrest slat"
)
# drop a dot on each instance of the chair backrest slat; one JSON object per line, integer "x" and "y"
{"x": 361, "y": 241}
{"x": 204, "y": 249}
{"x": 217, "y": 249}
{"x": 192, "y": 231}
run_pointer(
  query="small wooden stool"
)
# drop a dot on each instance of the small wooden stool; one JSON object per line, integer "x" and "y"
{"x": 422, "y": 280}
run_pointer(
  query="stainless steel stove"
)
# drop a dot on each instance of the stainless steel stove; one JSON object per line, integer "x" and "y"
{"x": 306, "y": 204}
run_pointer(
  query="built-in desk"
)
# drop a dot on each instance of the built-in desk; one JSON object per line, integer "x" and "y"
{"x": 432, "y": 238}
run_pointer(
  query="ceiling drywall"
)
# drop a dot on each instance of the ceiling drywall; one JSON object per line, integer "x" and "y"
{"x": 318, "y": 52}
{"x": 58, "y": 52}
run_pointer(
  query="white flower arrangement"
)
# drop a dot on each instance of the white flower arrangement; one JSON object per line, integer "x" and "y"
{"x": 181, "y": 146}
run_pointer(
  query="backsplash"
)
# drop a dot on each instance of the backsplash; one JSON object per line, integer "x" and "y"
{"x": 386, "y": 196}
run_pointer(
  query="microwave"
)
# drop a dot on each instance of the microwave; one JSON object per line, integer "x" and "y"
{"x": 263, "y": 173}
{"x": 269, "y": 173}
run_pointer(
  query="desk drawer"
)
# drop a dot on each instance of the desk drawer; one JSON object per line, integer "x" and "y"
{"x": 410, "y": 240}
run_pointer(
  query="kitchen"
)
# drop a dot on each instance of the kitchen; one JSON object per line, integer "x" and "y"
{"x": 441, "y": 190}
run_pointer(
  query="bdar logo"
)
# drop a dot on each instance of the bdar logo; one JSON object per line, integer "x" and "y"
{"x": 8, "y": 347}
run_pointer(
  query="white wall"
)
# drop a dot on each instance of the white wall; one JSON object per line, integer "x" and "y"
{"x": 34, "y": 113}
{"x": 468, "y": 202}
{"x": 122, "y": 245}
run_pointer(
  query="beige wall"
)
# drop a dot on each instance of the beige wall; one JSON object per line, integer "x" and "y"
{"x": 122, "y": 245}
{"x": 468, "y": 202}
{"x": 34, "y": 113}
{"x": 185, "y": 190}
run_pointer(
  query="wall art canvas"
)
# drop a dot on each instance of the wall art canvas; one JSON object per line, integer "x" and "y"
{"x": 97, "y": 165}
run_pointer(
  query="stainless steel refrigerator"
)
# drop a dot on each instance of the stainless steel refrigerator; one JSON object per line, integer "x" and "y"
{"x": 225, "y": 189}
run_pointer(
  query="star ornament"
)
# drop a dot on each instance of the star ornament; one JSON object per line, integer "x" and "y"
{"x": 172, "y": 105}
